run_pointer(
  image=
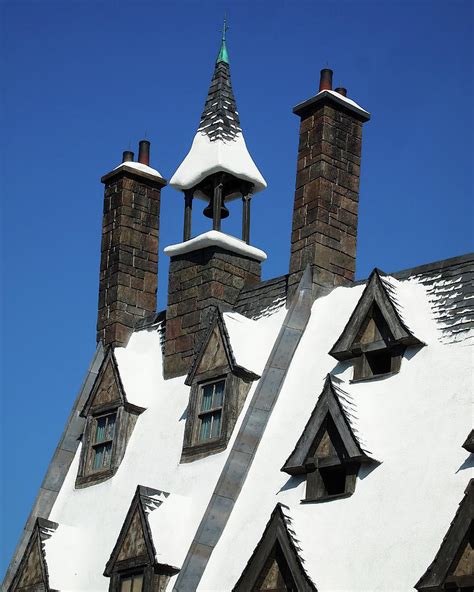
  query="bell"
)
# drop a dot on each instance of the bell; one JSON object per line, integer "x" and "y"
{"x": 208, "y": 210}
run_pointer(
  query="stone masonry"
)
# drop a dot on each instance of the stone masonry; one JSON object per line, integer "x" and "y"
{"x": 199, "y": 281}
{"x": 324, "y": 230}
{"x": 129, "y": 253}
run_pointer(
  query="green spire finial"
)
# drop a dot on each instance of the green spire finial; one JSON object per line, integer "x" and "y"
{"x": 223, "y": 55}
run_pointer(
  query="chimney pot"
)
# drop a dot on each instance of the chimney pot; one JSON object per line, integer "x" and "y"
{"x": 127, "y": 156}
{"x": 325, "y": 82}
{"x": 144, "y": 152}
{"x": 341, "y": 90}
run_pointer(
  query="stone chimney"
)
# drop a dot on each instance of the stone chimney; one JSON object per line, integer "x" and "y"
{"x": 324, "y": 231}
{"x": 129, "y": 252}
{"x": 207, "y": 271}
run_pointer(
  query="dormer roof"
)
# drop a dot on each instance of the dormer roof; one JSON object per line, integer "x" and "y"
{"x": 219, "y": 144}
{"x": 379, "y": 294}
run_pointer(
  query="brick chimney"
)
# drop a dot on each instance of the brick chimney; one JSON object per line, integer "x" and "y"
{"x": 324, "y": 231}
{"x": 129, "y": 252}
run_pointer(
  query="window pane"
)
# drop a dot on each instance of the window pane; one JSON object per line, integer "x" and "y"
{"x": 205, "y": 432}
{"x": 216, "y": 424}
{"x": 100, "y": 431}
{"x": 110, "y": 426}
{"x": 102, "y": 456}
{"x": 207, "y": 397}
{"x": 107, "y": 454}
{"x": 137, "y": 583}
{"x": 218, "y": 393}
{"x": 98, "y": 457}
{"x": 126, "y": 585}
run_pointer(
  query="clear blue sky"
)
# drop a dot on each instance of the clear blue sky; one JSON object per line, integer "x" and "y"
{"x": 83, "y": 81}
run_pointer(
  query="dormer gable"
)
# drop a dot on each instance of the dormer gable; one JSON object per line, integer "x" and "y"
{"x": 215, "y": 354}
{"x": 375, "y": 336}
{"x": 134, "y": 555}
{"x": 110, "y": 420}
{"x": 219, "y": 387}
{"x": 275, "y": 563}
{"x": 328, "y": 451}
{"x": 453, "y": 565}
{"x": 32, "y": 573}
{"x": 108, "y": 390}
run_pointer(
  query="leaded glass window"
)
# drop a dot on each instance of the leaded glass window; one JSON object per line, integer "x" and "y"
{"x": 210, "y": 415}
{"x": 103, "y": 441}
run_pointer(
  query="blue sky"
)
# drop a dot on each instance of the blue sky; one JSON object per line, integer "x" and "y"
{"x": 83, "y": 81}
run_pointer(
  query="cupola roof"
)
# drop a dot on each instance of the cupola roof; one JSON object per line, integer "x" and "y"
{"x": 219, "y": 144}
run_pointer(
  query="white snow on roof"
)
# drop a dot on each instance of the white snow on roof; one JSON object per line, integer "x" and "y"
{"x": 341, "y": 99}
{"x": 414, "y": 422}
{"x": 211, "y": 156}
{"x": 214, "y": 238}
{"x": 91, "y": 518}
{"x": 138, "y": 166}
{"x": 251, "y": 340}
{"x": 412, "y": 304}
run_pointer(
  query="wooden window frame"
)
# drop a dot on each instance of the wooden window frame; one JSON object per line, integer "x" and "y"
{"x": 211, "y": 411}
{"x": 94, "y": 445}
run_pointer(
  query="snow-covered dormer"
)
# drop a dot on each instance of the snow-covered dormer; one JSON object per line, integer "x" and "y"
{"x": 218, "y": 168}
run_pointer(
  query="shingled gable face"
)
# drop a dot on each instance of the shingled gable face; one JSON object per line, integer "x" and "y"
{"x": 219, "y": 387}
{"x": 275, "y": 564}
{"x": 32, "y": 573}
{"x": 110, "y": 421}
{"x": 132, "y": 566}
{"x": 375, "y": 336}
{"x": 328, "y": 451}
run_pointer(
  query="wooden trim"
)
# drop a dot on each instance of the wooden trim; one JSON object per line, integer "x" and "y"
{"x": 375, "y": 293}
{"x": 439, "y": 572}
{"x": 275, "y": 534}
{"x": 328, "y": 404}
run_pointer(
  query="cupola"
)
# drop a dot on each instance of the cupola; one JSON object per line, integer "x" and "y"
{"x": 211, "y": 269}
{"x": 218, "y": 167}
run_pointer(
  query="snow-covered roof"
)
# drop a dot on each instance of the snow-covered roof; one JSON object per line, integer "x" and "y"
{"x": 219, "y": 144}
{"x": 215, "y": 238}
{"x": 414, "y": 423}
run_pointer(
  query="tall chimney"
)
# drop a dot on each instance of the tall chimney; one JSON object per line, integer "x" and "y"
{"x": 129, "y": 253}
{"x": 324, "y": 230}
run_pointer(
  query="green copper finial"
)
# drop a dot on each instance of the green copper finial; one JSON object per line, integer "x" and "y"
{"x": 223, "y": 55}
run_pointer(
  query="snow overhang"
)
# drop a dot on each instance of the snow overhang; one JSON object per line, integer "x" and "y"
{"x": 214, "y": 238}
{"x": 207, "y": 157}
{"x": 333, "y": 97}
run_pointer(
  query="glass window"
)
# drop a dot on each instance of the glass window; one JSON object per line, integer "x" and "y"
{"x": 132, "y": 583}
{"x": 210, "y": 415}
{"x": 103, "y": 441}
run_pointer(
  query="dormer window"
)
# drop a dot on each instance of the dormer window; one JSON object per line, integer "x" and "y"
{"x": 210, "y": 417}
{"x": 219, "y": 387}
{"x": 375, "y": 336}
{"x": 131, "y": 583}
{"x": 110, "y": 420}
{"x": 328, "y": 451}
{"x": 103, "y": 441}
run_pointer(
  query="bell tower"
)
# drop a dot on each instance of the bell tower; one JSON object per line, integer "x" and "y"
{"x": 211, "y": 269}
